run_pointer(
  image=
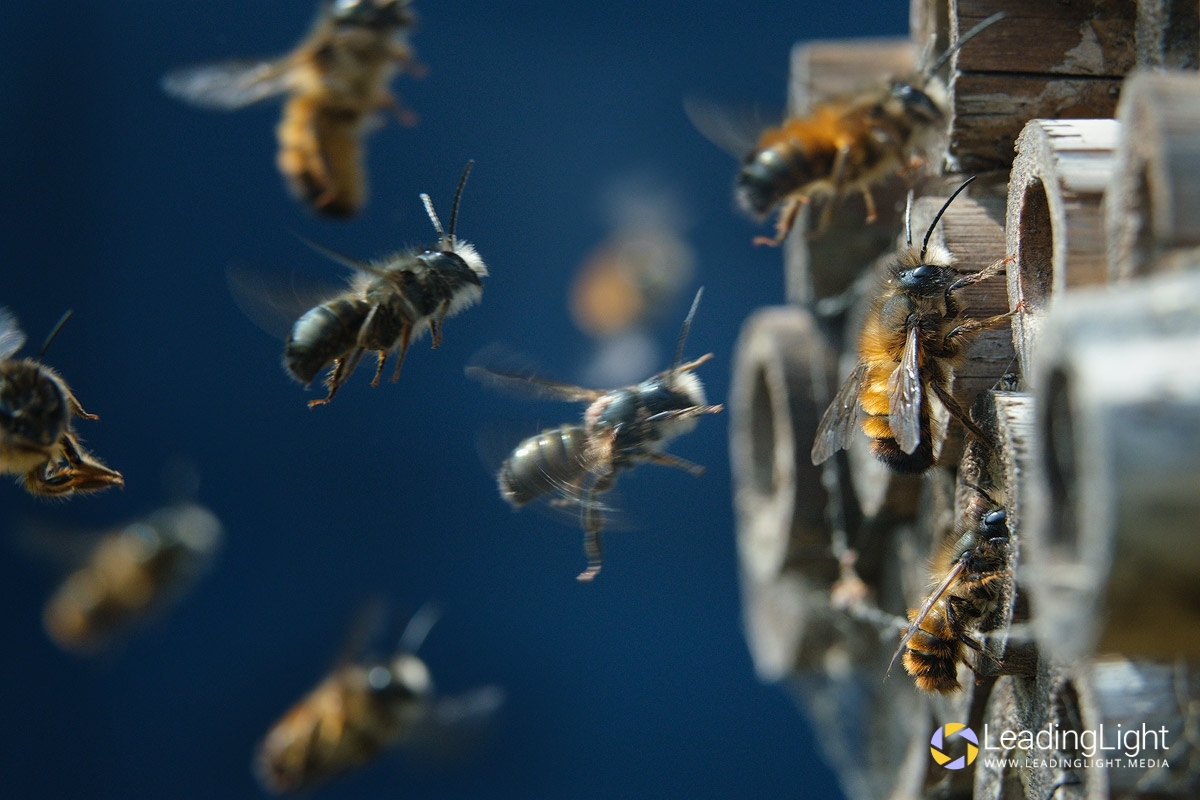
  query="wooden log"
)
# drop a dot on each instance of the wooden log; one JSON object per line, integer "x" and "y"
{"x": 1168, "y": 34}
{"x": 1052, "y": 60}
{"x": 784, "y": 542}
{"x": 1113, "y": 561}
{"x": 825, "y": 265}
{"x": 1054, "y": 223}
{"x": 1155, "y": 189}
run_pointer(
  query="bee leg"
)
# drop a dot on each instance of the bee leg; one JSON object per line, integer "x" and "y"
{"x": 956, "y": 411}
{"x": 435, "y": 325}
{"x": 81, "y": 473}
{"x": 593, "y": 519}
{"x": 342, "y": 368}
{"x": 405, "y": 338}
{"x": 381, "y": 356}
{"x": 869, "y": 201}
{"x": 77, "y": 409}
{"x": 976, "y": 325}
{"x": 670, "y": 460}
{"x": 784, "y": 223}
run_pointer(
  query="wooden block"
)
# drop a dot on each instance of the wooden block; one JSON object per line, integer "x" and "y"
{"x": 1113, "y": 561}
{"x": 1054, "y": 223}
{"x": 1155, "y": 189}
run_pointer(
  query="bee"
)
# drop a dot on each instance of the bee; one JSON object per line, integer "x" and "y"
{"x": 363, "y": 707}
{"x": 37, "y": 440}
{"x": 131, "y": 574}
{"x": 335, "y": 80}
{"x": 969, "y": 571}
{"x": 845, "y": 144}
{"x": 910, "y": 344}
{"x": 389, "y": 303}
{"x": 621, "y": 428}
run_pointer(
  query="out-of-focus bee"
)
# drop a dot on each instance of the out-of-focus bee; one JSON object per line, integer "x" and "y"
{"x": 968, "y": 572}
{"x": 842, "y": 145}
{"x": 362, "y": 708}
{"x": 621, "y": 429}
{"x": 131, "y": 574}
{"x": 910, "y": 344}
{"x": 390, "y": 302}
{"x": 37, "y": 441}
{"x": 335, "y": 79}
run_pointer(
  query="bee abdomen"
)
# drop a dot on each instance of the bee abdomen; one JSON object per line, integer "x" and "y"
{"x": 543, "y": 463}
{"x": 771, "y": 175}
{"x": 323, "y": 334}
{"x": 914, "y": 463}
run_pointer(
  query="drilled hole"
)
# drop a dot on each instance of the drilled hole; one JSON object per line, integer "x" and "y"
{"x": 1035, "y": 252}
{"x": 1060, "y": 460}
{"x": 762, "y": 436}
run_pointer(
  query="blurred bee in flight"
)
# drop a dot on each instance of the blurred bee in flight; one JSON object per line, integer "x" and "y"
{"x": 335, "y": 80}
{"x": 390, "y": 302}
{"x": 968, "y": 572}
{"x": 130, "y": 575}
{"x": 37, "y": 440}
{"x": 362, "y": 708}
{"x": 911, "y": 341}
{"x": 621, "y": 428}
{"x": 843, "y": 144}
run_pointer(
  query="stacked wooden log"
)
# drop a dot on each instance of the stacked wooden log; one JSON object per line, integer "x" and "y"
{"x": 1090, "y": 403}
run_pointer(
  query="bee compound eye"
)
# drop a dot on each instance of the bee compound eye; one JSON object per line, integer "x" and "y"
{"x": 923, "y": 272}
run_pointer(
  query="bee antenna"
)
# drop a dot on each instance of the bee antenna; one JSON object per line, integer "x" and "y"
{"x": 938, "y": 216}
{"x": 418, "y": 627}
{"x": 458, "y": 195}
{"x": 687, "y": 327}
{"x": 908, "y": 220}
{"x": 54, "y": 332}
{"x": 433, "y": 217}
{"x": 979, "y": 490}
{"x": 966, "y": 37}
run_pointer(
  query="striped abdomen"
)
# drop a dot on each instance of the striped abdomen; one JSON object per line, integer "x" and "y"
{"x": 323, "y": 334}
{"x": 553, "y": 460}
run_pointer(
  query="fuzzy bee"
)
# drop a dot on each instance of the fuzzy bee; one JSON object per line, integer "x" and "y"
{"x": 910, "y": 344}
{"x": 621, "y": 428}
{"x": 390, "y": 302}
{"x": 131, "y": 574}
{"x": 845, "y": 144}
{"x": 37, "y": 438}
{"x": 362, "y": 708}
{"x": 335, "y": 80}
{"x": 968, "y": 572}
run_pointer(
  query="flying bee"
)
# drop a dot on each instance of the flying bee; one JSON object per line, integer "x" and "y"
{"x": 362, "y": 708}
{"x": 844, "y": 144}
{"x": 621, "y": 429}
{"x": 389, "y": 303}
{"x": 37, "y": 440}
{"x": 911, "y": 342}
{"x": 335, "y": 80}
{"x": 131, "y": 574}
{"x": 968, "y": 572}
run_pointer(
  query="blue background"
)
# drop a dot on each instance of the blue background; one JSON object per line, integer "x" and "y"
{"x": 128, "y": 206}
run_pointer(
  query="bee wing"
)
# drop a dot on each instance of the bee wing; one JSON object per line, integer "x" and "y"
{"x": 532, "y": 385}
{"x": 273, "y": 302}
{"x": 923, "y": 611}
{"x": 229, "y": 85}
{"x": 904, "y": 404}
{"x": 11, "y": 335}
{"x": 840, "y": 421}
{"x": 735, "y": 133}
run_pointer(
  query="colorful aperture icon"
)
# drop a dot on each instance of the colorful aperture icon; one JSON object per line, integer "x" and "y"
{"x": 943, "y": 741}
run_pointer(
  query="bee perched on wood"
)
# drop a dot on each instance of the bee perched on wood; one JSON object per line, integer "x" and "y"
{"x": 390, "y": 302}
{"x": 910, "y": 344}
{"x": 968, "y": 572}
{"x": 621, "y": 429}
{"x": 131, "y": 574}
{"x": 37, "y": 440}
{"x": 335, "y": 79}
{"x": 362, "y": 708}
{"x": 844, "y": 144}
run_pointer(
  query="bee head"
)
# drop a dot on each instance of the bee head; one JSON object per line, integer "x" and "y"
{"x": 372, "y": 13}
{"x": 32, "y": 405}
{"x": 925, "y": 279}
{"x": 994, "y": 524}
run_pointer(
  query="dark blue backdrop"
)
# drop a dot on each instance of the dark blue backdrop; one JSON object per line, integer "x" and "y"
{"x": 128, "y": 206}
